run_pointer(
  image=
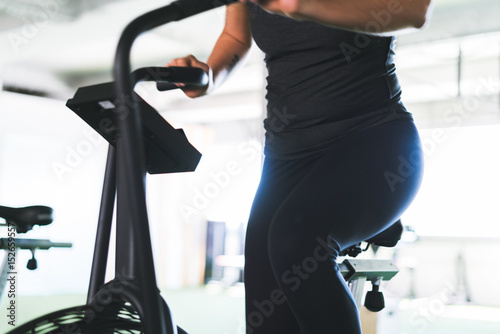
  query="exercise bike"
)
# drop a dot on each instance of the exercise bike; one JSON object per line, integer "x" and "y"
{"x": 141, "y": 142}
{"x": 22, "y": 220}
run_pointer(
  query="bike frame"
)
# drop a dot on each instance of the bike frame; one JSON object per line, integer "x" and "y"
{"x": 135, "y": 279}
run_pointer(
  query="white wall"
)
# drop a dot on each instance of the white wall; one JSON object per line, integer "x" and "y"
{"x": 50, "y": 157}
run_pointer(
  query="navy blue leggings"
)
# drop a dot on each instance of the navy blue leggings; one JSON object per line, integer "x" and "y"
{"x": 307, "y": 210}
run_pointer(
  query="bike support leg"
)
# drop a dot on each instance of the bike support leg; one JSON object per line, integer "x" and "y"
{"x": 103, "y": 235}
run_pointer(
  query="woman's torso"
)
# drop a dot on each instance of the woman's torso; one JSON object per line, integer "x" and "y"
{"x": 322, "y": 83}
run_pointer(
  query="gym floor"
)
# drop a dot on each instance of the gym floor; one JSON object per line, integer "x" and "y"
{"x": 215, "y": 310}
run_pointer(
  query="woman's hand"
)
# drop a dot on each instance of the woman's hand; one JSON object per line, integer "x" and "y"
{"x": 191, "y": 61}
{"x": 229, "y": 51}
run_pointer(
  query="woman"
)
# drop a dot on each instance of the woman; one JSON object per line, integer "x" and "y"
{"x": 343, "y": 158}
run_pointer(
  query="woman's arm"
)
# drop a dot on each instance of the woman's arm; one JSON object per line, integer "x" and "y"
{"x": 371, "y": 16}
{"x": 228, "y": 52}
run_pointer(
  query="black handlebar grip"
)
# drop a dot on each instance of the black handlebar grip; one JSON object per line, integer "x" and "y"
{"x": 192, "y": 7}
{"x": 189, "y": 76}
{"x": 167, "y": 77}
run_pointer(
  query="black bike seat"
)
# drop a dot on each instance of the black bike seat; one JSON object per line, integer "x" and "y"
{"x": 388, "y": 237}
{"x": 25, "y": 218}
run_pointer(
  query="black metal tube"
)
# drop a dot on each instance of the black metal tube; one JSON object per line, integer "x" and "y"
{"x": 103, "y": 234}
{"x": 131, "y": 199}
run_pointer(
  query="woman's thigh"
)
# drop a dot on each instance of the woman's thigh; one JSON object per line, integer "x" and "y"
{"x": 266, "y": 309}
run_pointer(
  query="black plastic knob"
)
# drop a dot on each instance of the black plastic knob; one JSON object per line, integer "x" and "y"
{"x": 374, "y": 300}
{"x": 32, "y": 264}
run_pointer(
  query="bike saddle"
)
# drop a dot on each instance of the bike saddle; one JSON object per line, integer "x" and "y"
{"x": 387, "y": 238}
{"x": 25, "y": 218}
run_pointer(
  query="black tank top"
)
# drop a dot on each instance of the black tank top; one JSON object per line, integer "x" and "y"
{"x": 323, "y": 83}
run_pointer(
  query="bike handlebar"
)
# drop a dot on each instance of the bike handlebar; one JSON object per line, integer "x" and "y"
{"x": 166, "y": 78}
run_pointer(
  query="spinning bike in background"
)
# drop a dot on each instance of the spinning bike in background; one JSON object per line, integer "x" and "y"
{"x": 22, "y": 220}
{"x": 141, "y": 142}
